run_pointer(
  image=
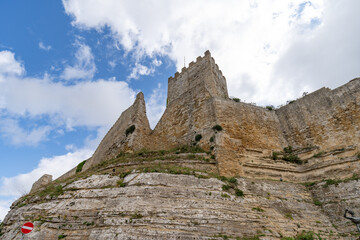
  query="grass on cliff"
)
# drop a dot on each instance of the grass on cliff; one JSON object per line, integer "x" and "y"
{"x": 304, "y": 236}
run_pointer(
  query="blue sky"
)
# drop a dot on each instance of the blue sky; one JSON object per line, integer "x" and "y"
{"x": 69, "y": 68}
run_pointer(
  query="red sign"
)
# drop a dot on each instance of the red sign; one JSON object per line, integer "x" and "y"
{"x": 27, "y": 228}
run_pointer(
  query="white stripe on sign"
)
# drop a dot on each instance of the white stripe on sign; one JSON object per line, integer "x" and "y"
{"x": 28, "y": 228}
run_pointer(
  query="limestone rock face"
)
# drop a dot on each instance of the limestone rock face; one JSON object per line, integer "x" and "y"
{"x": 167, "y": 206}
{"x": 42, "y": 182}
{"x": 117, "y": 140}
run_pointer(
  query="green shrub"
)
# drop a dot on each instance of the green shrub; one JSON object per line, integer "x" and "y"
{"x": 217, "y": 128}
{"x": 61, "y": 236}
{"x": 288, "y": 149}
{"x": 130, "y": 130}
{"x": 198, "y": 137}
{"x": 270, "y": 107}
{"x": 121, "y": 183}
{"x": 309, "y": 184}
{"x": 212, "y": 140}
{"x": 239, "y": 193}
{"x": 292, "y": 158}
{"x": 224, "y": 195}
{"x": 225, "y": 187}
{"x": 80, "y": 166}
{"x": 232, "y": 180}
{"x": 317, "y": 202}
{"x": 358, "y": 155}
{"x": 274, "y": 155}
{"x": 332, "y": 182}
{"x": 236, "y": 99}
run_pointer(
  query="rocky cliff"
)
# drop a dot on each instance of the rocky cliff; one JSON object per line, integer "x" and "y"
{"x": 210, "y": 168}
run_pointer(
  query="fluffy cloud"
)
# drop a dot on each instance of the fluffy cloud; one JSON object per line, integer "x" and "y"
{"x": 257, "y": 44}
{"x": 9, "y": 65}
{"x": 141, "y": 70}
{"x": 84, "y": 67}
{"x": 81, "y": 104}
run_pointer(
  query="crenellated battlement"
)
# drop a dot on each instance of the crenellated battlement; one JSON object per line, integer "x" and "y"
{"x": 204, "y": 71}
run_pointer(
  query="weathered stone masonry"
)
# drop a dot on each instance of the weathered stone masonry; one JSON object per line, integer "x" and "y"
{"x": 322, "y": 121}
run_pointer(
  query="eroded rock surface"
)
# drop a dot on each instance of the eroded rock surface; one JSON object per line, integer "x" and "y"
{"x": 167, "y": 206}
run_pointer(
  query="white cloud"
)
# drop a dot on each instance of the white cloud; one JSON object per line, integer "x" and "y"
{"x": 95, "y": 103}
{"x": 9, "y": 65}
{"x": 247, "y": 38}
{"x": 10, "y": 129}
{"x": 155, "y": 105}
{"x": 44, "y": 47}
{"x": 84, "y": 67}
{"x": 140, "y": 70}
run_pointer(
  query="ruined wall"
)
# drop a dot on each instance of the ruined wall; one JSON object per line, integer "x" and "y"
{"x": 326, "y": 118}
{"x": 116, "y": 139}
{"x": 247, "y": 131}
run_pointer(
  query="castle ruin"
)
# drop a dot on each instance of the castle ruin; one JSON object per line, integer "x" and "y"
{"x": 321, "y": 128}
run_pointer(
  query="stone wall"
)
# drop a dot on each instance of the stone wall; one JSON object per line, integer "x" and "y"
{"x": 326, "y": 118}
{"x": 246, "y": 128}
{"x": 116, "y": 140}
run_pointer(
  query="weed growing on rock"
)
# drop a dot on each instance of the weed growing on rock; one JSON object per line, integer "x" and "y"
{"x": 62, "y": 236}
{"x": 258, "y": 209}
{"x": 292, "y": 158}
{"x": 224, "y": 195}
{"x": 317, "y": 202}
{"x": 52, "y": 190}
{"x": 288, "y": 149}
{"x": 80, "y": 166}
{"x": 274, "y": 155}
{"x": 121, "y": 183}
{"x": 226, "y": 187}
{"x": 89, "y": 223}
{"x": 136, "y": 216}
{"x": 270, "y": 107}
{"x": 239, "y": 193}
{"x": 319, "y": 154}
